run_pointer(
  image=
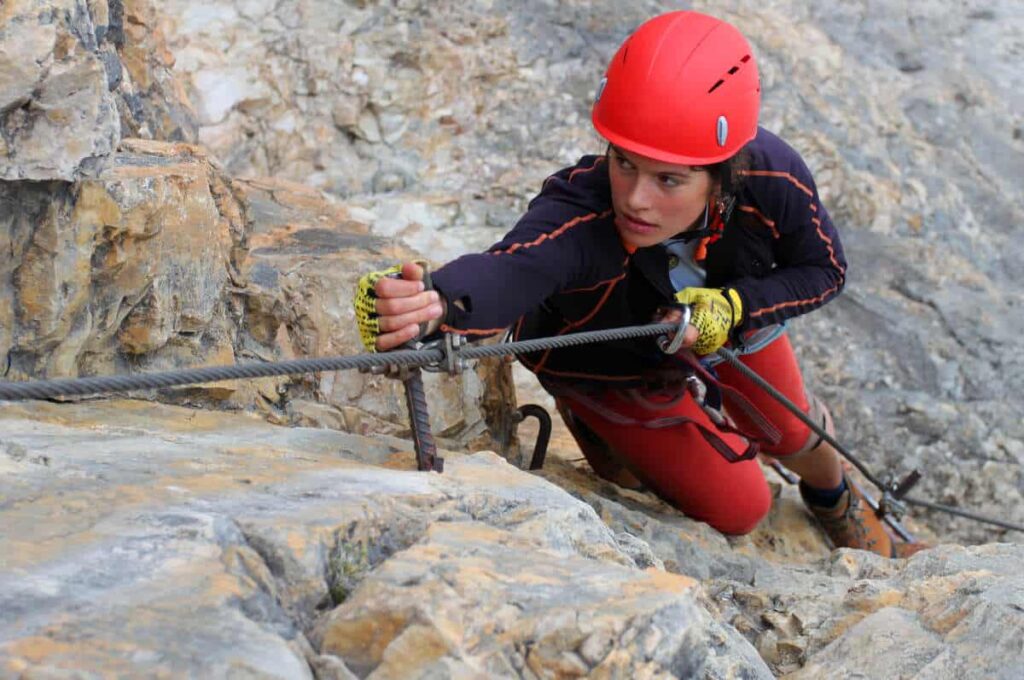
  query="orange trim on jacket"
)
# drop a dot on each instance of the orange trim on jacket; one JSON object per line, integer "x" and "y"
{"x": 757, "y": 213}
{"x": 600, "y": 303}
{"x": 777, "y": 173}
{"x": 552, "y": 235}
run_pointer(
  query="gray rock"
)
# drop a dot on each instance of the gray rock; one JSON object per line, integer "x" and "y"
{"x": 56, "y": 110}
{"x": 193, "y": 550}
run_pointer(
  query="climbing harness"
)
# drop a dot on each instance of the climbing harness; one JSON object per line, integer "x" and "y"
{"x": 451, "y": 355}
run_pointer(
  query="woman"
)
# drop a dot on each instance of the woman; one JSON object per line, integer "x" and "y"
{"x": 691, "y": 203}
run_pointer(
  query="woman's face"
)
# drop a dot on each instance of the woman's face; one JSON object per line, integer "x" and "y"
{"x": 653, "y": 200}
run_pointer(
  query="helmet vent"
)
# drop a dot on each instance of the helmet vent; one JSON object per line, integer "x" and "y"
{"x": 732, "y": 71}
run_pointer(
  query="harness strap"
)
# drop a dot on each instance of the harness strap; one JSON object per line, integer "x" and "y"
{"x": 710, "y": 436}
{"x": 766, "y": 432}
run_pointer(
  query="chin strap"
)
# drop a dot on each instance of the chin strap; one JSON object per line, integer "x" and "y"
{"x": 710, "y": 227}
{"x": 694, "y": 234}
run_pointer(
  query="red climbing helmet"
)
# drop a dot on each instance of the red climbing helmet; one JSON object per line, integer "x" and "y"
{"x": 683, "y": 88}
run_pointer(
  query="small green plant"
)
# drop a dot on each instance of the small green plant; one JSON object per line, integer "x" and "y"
{"x": 348, "y": 561}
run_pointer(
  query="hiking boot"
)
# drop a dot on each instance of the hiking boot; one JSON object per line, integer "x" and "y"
{"x": 851, "y": 523}
{"x": 903, "y": 550}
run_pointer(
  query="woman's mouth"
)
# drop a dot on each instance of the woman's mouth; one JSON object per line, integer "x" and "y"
{"x": 634, "y": 225}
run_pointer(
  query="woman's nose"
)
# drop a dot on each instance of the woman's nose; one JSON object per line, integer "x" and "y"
{"x": 638, "y": 197}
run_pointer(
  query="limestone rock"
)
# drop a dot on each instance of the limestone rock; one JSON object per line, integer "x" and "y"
{"x": 158, "y": 261}
{"x": 184, "y": 542}
{"x": 531, "y": 612}
{"x": 128, "y": 263}
{"x": 302, "y": 255}
{"x": 151, "y": 98}
{"x": 947, "y": 612}
{"x": 75, "y": 77}
{"x": 56, "y": 110}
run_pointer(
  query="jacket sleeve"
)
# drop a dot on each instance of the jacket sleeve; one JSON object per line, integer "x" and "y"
{"x": 544, "y": 253}
{"x": 810, "y": 267}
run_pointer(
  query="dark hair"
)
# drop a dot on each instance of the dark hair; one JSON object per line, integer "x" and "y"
{"x": 728, "y": 174}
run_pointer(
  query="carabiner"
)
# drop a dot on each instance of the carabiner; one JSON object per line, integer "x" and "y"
{"x": 671, "y": 347}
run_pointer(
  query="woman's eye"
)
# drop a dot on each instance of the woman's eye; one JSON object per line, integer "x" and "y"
{"x": 623, "y": 163}
{"x": 669, "y": 180}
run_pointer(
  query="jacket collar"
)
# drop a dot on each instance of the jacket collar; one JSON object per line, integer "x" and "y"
{"x": 652, "y": 262}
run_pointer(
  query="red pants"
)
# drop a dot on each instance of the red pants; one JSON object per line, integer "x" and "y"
{"x": 681, "y": 467}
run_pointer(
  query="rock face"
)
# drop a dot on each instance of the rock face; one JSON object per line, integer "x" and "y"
{"x": 58, "y": 108}
{"x": 129, "y": 263}
{"x": 142, "y": 539}
{"x": 211, "y": 555}
{"x": 130, "y": 254}
{"x": 439, "y": 118}
{"x": 202, "y": 183}
{"x": 157, "y": 261}
{"x": 75, "y": 77}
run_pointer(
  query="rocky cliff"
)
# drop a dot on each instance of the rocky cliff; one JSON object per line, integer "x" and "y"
{"x": 134, "y": 254}
{"x": 201, "y": 183}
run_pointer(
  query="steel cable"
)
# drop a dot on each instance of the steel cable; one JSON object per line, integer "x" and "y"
{"x": 72, "y": 387}
{"x": 734, "y": 361}
{"x": 69, "y": 387}
{"x": 909, "y": 500}
{"x": 569, "y": 340}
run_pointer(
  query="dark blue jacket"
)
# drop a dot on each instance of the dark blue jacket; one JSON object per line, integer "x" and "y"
{"x": 563, "y": 268}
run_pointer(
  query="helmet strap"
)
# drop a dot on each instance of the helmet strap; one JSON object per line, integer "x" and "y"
{"x": 694, "y": 234}
{"x": 725, "y": 205}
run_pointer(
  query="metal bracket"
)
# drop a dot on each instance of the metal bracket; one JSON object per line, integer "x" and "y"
{"x": 540, "y": 448}
{"x": 891, "y": 502}
{"x": 672, "y": 346}
{"x": 884, "y": 513}
{"x": 452, "y": 363}
{"x": 416, "y": 399}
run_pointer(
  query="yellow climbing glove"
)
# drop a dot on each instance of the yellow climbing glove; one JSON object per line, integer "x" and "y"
{"x": 365, "y": 303}
{"x": 716, "y": 311}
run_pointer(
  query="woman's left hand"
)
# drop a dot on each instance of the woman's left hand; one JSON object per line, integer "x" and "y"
{"x": 674, "y": 315}
{"x": 716, "y": 312}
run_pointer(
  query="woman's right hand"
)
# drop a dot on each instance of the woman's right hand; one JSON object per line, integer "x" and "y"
{"x": 401, "y": 305}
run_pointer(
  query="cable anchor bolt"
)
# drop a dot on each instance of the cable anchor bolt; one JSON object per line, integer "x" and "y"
{"x": 893, "y": 492}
